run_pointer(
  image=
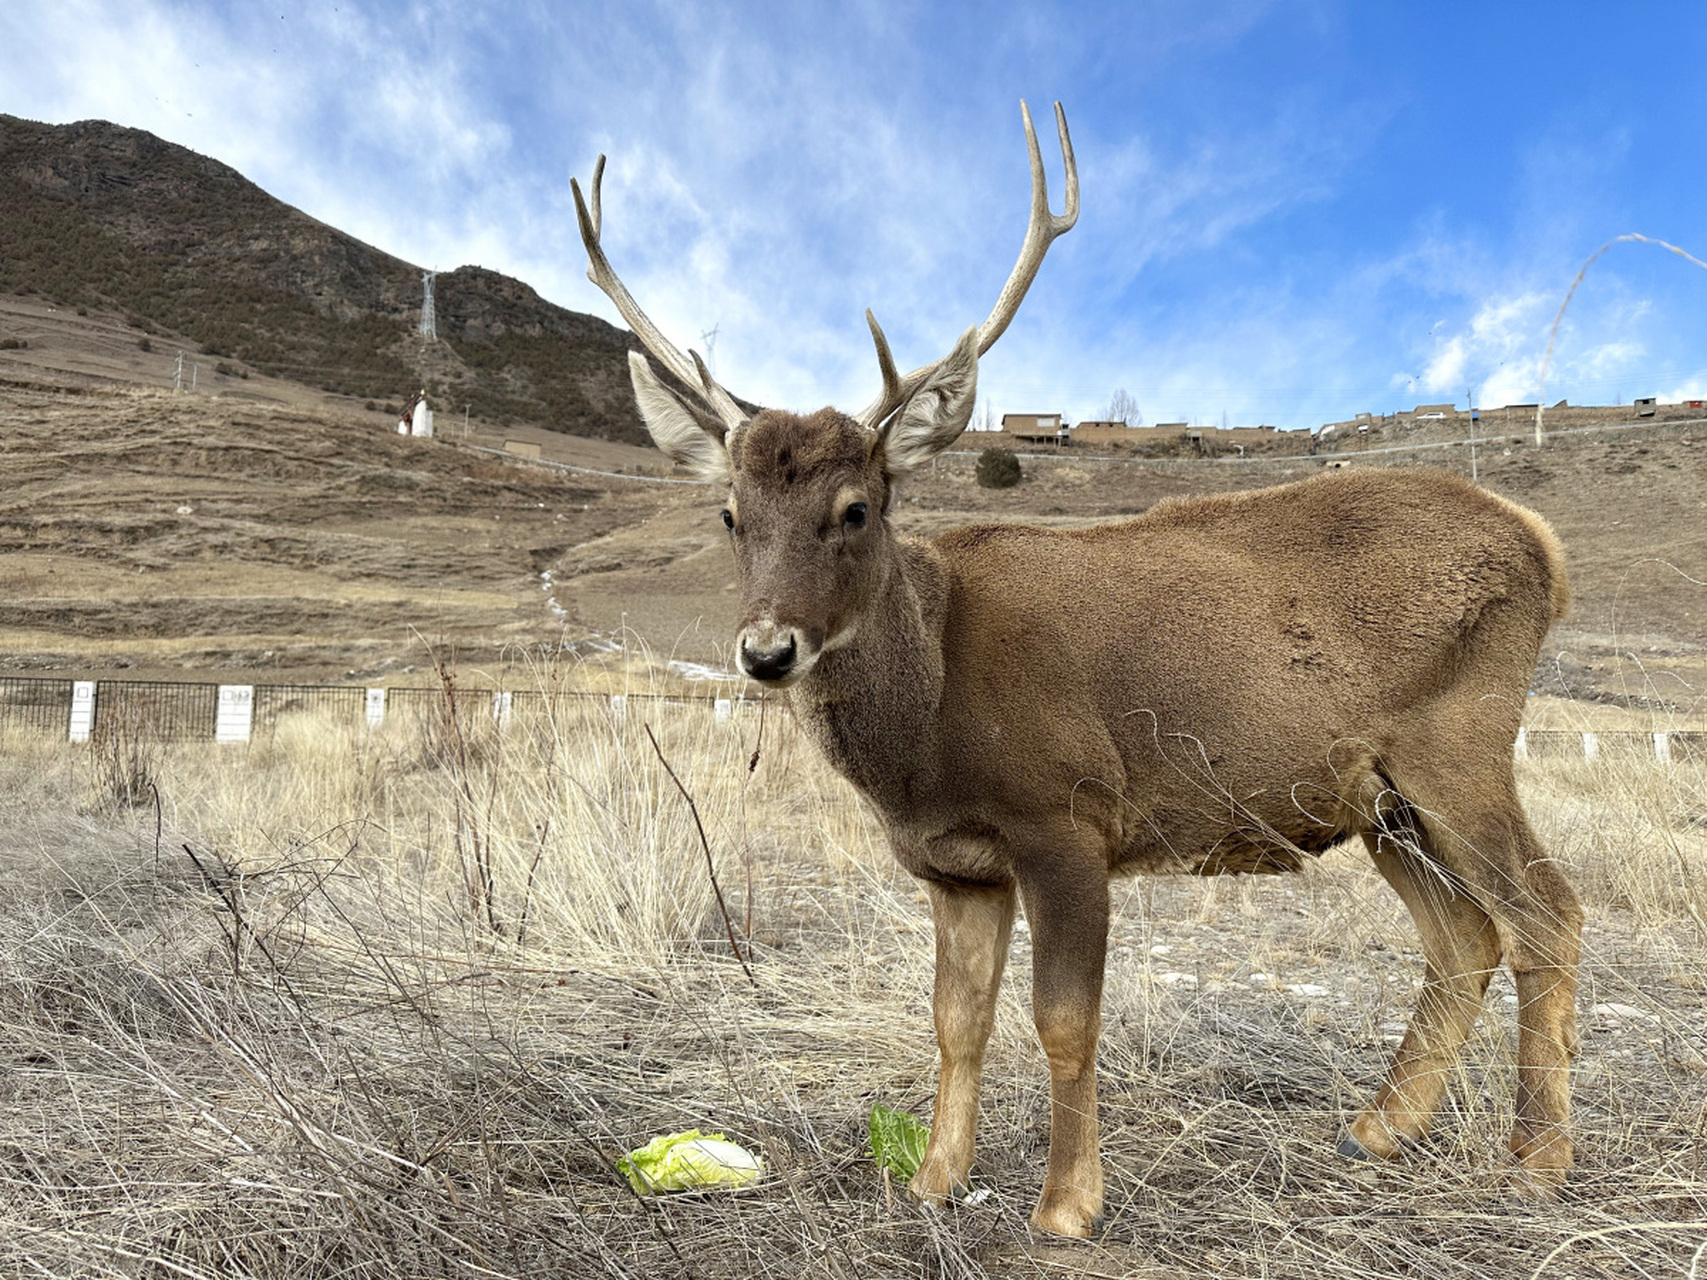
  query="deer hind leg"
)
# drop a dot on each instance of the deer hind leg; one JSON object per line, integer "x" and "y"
{"x": 1067, "y": 909}
{"x": 972, "y": 928}
{"x": 1480, "y": 834}
{"x": 1460, "y": 949}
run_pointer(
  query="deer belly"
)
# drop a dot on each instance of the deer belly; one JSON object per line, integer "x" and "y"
{"x": 1226, "y": 844}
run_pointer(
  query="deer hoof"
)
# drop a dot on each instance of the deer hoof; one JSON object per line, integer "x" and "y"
{"x": 1373, "y": 1136}
{"x": 1537, "y": 1175}
{"x": 1522, "y": 1185}
{"x": 1067, "y": 1215}
{"x": 1352, "y": 1149}
{"x": 934, "y": 1184}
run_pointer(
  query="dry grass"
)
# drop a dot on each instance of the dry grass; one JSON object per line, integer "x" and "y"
{"x": 417, "y": 988}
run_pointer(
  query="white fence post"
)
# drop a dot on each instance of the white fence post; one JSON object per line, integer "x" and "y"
{"x": 375, "y": 708}
{"x": 236, "y": 713}
{"x": 722, "y": 710}
{"x": 1662, "y": 747}
{"x": 501, "y": 708}
{"x": 619, "y": 707}
{"x": 1591, "y": 746}
{"x": 1521, "y": 749}
{"x": 82, "y": 710}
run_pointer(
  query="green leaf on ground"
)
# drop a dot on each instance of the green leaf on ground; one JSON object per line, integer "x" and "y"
{"x": 687, "y": 1162}
{"x": 898, "y": 1141}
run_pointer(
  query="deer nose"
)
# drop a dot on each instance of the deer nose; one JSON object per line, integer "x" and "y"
{"x": 768, "y": 654}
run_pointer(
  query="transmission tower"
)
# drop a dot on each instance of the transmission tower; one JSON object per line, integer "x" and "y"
{"x": 709, "y": 337}
{"x": 429, "y": 323}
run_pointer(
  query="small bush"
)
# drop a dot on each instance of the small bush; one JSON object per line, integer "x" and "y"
{"x": 124, "y": 756}
{"x": 143, "y": 344}
{"x": 12, "y": 344}
{"x": 998, "y": 469}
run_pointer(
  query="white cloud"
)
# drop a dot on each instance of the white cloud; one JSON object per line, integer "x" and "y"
{"x": 1445, "y": 371}
{"x": 1496, "y": 351}
{"x": 1499, "y": 352}
{"x": 1694, "y": 388}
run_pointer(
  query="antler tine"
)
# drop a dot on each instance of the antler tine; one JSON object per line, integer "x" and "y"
{"x": 707, "y": 385}
{"x": 886, "y": 364}
{"x": 598, "y": 187}
{"x": 1040, "y": 233}
{"x": 690, "y": 372}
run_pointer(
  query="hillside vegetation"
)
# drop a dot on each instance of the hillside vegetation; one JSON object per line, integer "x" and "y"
{"x": 95, "y": 215}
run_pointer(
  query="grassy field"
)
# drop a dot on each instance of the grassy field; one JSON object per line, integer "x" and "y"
{"x": 391, "y": 1004}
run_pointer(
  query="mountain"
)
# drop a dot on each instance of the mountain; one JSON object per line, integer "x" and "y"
{"x": 95, "y": 214}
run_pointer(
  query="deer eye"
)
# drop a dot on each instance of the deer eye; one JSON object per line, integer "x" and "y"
{"x": 854, "y": 516}
{"x": 728, "y": 519}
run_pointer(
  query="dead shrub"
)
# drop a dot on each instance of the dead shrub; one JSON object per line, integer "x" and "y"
{"x": 124, "y": 758}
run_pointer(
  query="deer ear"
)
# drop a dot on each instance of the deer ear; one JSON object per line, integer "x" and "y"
{"x": 935, "y": 414}
{"x": 695, "y": 440}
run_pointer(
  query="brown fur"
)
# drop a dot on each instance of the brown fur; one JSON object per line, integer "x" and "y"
{"x": 772, "y": 444}
{"x": 1223, "y": 684}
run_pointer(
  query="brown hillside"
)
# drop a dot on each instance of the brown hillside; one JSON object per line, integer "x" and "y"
{"x": 100, "y": 216}
{"x": 256, "y": 531}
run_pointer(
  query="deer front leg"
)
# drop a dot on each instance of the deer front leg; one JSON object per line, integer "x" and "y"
{"x": 972, "y": 928}
{"x": 1067, "y": 909}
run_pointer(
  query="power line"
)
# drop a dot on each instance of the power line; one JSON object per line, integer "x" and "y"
{"x": 709, "y": 337}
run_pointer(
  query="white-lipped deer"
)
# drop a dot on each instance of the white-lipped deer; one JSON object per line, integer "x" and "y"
{"x": 1227, "y": 684}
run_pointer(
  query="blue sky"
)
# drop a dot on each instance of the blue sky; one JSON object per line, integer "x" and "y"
{"x": 1292, "y": 212}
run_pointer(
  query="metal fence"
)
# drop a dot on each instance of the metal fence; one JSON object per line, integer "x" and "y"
{"x": 35, "y": 702}
{"x": 164, "y": 710}
{"x": 1666, "y": 746}
{"x": 177, "y": 711}
{"x": 193, "y": 711}
{"x": 328, "y": 700}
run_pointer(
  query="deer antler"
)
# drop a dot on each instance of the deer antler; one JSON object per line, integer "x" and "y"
{"x": 1041, "y": 232}
{"x": 692, "y": 373}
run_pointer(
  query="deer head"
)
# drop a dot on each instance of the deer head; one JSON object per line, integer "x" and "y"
{"x": 808, "y": 496}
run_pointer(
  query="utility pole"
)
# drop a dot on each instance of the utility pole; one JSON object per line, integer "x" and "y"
{"x": 1475, "y": 415}
{"x": 178, "y": 375}
{"x": 465, "y": 422}
{"x": 195, "y": 371}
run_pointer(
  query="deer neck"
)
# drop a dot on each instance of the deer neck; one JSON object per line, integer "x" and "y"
{"x": 872, "y": 705}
